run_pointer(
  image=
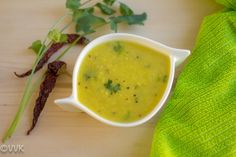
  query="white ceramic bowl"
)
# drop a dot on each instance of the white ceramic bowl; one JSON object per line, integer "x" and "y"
{"x": 177, "y": 56}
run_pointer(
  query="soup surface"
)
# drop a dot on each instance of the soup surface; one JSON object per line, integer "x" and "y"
{"x": 122, "y": 81}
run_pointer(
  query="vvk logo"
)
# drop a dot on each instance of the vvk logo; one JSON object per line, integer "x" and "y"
{"x": 11, "y": 148}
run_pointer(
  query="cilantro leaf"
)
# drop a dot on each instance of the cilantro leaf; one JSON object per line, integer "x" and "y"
{"x": 36, "y": 46}
{"x": 125, "y": 10}
{"x": 87, "y": 23}
{"x": 109, "y": 2}
{"x": 113, "y": 88}
{"x": 130, "y": 20}
{"x": 72, "y": 4}
{"x": 56, "y": 36}
{"x": 80, "y": 12}
{"x": 105, "y": 9}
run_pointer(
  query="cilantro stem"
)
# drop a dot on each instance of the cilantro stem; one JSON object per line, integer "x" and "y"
{"x": 59, "y": 21}
{"x": 23, "y": 103}
{"x": 29, "y": 88}
{"x": 74, "y": 43}
{"x": 66, "y": 26}
{"x": 69, "y": 47}
{"x": 86, "y": 2}
{"x": 52, "y": 27}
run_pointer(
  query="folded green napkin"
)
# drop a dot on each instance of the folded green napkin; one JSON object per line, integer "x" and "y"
{"x": 200, "y": 118}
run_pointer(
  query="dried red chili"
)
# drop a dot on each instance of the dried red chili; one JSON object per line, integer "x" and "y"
{"x": 53, "y": 49}
{"x": 54, "y": 70}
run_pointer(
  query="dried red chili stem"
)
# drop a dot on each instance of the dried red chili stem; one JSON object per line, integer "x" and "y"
{"x": 53, "y": 49}
{"x": 54, "y": 70}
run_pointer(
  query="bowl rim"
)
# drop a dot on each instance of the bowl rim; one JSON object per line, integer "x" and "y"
{"x": 161, "y": 48}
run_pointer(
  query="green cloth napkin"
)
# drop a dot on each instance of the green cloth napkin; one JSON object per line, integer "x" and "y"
{"x": 200, "y": 118}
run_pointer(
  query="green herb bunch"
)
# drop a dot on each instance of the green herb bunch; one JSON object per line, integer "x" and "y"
{"x": 85, "y": 22}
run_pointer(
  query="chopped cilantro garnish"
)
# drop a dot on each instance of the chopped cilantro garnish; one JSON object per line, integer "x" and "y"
{"x": 118, "y": 47}
{"x": 112, "y": 87}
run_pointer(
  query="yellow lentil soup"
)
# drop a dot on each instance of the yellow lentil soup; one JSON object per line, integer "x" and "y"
{"x": 122, "y": 81}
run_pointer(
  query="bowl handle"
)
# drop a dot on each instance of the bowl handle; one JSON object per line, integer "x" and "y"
{"x": 68, "y": 104}
{"x": 179, "y": 55}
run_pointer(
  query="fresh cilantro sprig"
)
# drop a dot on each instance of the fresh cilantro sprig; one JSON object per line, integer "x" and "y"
{"x": 30, "y": 84}
{"x": 86, "y": 22}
